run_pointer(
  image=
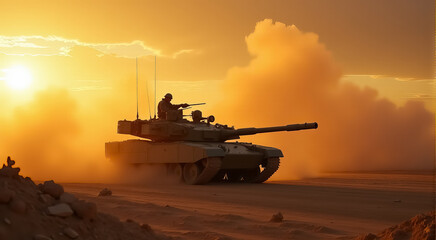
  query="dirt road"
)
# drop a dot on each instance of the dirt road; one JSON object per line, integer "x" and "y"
{"x": 340, "y": 205}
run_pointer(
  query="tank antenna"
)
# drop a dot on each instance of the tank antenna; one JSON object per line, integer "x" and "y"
{"x": 148, "y": 97}
{"x": 137, "y": 103}
{"x": 155, "y": 62}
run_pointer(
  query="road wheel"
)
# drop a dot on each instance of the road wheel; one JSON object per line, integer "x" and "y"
{"x": 270, "y": 167}
{"x": 191, "y": 171}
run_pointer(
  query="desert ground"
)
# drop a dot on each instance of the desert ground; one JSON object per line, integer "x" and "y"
{"x": 332, "y": 206}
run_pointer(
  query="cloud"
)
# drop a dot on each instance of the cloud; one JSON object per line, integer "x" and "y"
{"x": 293, "y": 78}
{"x": 36, "y": 45}
{"x": 401, "y": 79}
{"x": 58, "y": 46}
{"x": 183, "y": 51}
{"x": 423, "y": 96}
{"x": 127, "y": 50}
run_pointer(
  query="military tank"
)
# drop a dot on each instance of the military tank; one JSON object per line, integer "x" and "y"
{"x": 197, "y": 151}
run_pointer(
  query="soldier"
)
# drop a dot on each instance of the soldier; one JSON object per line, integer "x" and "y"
{"x": 165, "y": 105}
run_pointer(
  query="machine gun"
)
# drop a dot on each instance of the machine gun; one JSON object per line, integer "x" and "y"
{"x": 190, "y": 105}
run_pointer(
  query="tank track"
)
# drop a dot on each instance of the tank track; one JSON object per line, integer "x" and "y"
{"x": 213, "y": 165}
{"x": 271, "y": 167}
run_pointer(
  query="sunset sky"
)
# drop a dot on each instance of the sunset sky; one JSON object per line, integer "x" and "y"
{"x": 67, "y": 68}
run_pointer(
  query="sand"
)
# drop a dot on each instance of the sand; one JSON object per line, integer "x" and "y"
{"x": 334, "y": 206}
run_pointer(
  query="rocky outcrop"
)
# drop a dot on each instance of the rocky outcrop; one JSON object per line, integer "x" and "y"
{"x": 46, "y": 212}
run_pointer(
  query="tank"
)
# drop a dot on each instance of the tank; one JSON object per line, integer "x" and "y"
{"x": 197, "y": 151}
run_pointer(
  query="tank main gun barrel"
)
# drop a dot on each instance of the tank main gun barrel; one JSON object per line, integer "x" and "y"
{"x": 250, "y": 131}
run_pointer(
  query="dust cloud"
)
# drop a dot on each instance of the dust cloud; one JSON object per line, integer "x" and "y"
{"x": 293, "y": 78}
{"x": 38, "y": 134}
{"x": 152, "y": 174}
{"x": 53, "y": 136}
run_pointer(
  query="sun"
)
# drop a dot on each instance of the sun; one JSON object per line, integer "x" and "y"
{"x": 17, "y": 78}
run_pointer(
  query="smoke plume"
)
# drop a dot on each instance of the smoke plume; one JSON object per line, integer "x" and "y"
{"x": 293, "y": 78}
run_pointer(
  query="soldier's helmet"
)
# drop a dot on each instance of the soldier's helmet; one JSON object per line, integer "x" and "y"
{"x": 168, "y": 95}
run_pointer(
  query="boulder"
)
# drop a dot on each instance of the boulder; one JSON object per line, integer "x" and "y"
{"x": 10, "y": 162}
{"x": 46, "y": 198}
{"x": 29, "y": 181}
{"x": 50, "y": 187}
{"x": 9, "y": 172}
{"x": 105, "y": 192}
{"x": 67, "y": 198}
{"x": 146, "y": 227}
{"x": 84, "y": 210}
{"x": 278, "y": 217}
{"x": 368, "y": 236}
{"x": 60, "y": 210}
{"x": 71, "y": 233}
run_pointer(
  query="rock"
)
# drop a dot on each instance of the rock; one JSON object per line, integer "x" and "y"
{"x": 50, "y": 187}
{"x": 60, "y": 210}
{"x": 368, "y": 236}
{"x": 29, "y": 181}
{"x": 9, "y": 172}
{"x": 277, "y": 217}
{"x": 105, "y": 192}
{"x": 6, "y": 195}
{"x": 67, "y": 198}
{"x": 7, "y": 221}
{"x": 18, "y": 206}
{"x": 40, "y": 237}
{"x": 146, "y": 227}
{"x": 421, "y": 227}
{"x": 46, "y": 198}
{"x": 399, "y": 234}
{"x": 71, "y": 233}
{"x": 10, "y": 162}
{"x": 84, "y": 210}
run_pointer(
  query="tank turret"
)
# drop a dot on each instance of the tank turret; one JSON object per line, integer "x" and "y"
{"x": 197, "y": 151}
{"x": 179, "y": 129}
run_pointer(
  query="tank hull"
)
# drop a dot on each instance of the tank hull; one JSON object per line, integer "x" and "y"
{"x": 227, "y": 156}
{"x": 233, "y": 154}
